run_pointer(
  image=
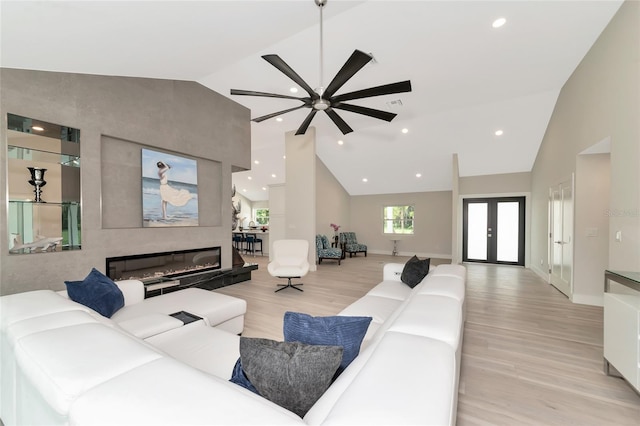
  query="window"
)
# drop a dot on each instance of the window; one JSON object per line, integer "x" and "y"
{"x": 262, "y": 216}
{"x": 397, "y": 219}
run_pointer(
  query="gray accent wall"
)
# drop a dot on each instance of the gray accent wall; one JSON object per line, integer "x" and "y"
{"x": 116, "y": 116}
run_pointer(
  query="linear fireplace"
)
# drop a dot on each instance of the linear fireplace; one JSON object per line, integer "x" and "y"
{"x": 170, "y": 271}
{"x": 150, "y": 267}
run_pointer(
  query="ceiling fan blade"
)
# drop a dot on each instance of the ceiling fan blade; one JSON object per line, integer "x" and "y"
{"x": 385, "y": 89}
{"x": 356, "y": 61}
{"x": 275, "y": 114}
{"x": 281, "y": 65}
{"x": 305, "y": 124}
{"x": 342, "y": 125}
{"x": 263, "y": 94}
{"x": 375, "y": 113}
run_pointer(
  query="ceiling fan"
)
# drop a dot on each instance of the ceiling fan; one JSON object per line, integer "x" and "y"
{"x": 324, "y": 99}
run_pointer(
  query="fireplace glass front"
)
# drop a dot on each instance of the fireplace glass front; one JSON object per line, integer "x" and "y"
{"x": 151, "y": 267}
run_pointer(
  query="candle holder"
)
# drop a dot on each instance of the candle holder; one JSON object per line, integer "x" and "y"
{"x": 37, "y": 180}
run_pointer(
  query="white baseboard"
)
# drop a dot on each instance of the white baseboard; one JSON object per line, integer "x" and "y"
{"x": 585, "y": 299}
{"x": 410, "y": 254}
{"x": 541, "y": 273}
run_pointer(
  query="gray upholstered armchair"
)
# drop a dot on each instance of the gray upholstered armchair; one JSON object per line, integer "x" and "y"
{"x": 349, "y": 244}
{"x": 325, "y": 251}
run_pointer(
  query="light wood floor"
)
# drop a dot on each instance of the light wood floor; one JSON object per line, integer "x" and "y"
{"x": 529, "y": 357}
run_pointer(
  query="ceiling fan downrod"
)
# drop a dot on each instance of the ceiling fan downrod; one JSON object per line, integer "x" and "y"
{"x": 320, "y": 104}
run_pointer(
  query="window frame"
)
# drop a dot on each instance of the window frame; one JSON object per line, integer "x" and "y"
{"x": 255, "y": 215}
{"x": 407, "y": 215}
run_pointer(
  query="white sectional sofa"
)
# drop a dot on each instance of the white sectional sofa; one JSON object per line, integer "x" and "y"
{"x": 62, "y": 363}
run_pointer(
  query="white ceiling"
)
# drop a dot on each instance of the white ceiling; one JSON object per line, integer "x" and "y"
{"x": 468, "y": 78}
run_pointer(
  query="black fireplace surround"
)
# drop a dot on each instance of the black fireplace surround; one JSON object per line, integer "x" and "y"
{"x": 199, "y": 268}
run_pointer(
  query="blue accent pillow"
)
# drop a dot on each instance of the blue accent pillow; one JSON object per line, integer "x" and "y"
{"x": 97, "y": 292}
{"x": 239, "y": 378}
{"x": 343, "y": 331}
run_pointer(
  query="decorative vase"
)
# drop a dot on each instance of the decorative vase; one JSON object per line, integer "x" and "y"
{"x": 37, "y": 180}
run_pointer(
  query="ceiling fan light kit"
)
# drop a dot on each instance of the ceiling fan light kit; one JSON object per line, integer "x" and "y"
{"x": 322, "y": 98}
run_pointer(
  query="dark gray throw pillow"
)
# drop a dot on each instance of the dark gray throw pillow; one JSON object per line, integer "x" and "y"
{"x": 291, "y": 374}
{"x": 414, "y": 271}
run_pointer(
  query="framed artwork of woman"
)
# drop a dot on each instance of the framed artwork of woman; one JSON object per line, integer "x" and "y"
{"x": 169, "y": 190}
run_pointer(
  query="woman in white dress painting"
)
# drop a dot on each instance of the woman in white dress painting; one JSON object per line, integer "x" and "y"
{"x": 173, "y": 196}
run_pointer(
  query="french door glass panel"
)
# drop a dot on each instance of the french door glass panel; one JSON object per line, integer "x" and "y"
{"x": 493, "y": 230}
{"x": 508, "y": 224}
{"x": 556, "y": 261}
{"x": 477, "y": 231}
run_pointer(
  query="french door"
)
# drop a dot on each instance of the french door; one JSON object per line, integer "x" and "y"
{"x": 560, "y": 233}
{"x": 493, "y": 230}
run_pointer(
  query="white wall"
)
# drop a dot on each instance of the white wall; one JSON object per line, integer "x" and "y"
{"x": 300, "y": 199}
{"x": 333, "y": 203}
{"x": 432, "y": 231}
{"x": 277, "y": 214}
{"x": 600, "y": 100}
{"x": 591, "y": 227}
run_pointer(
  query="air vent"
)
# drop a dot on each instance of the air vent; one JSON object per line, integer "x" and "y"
{"x": 394, "y": 104}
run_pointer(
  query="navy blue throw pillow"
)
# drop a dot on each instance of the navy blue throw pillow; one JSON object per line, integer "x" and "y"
{"x": 97, "y": 292}
{"x": 343, "y": 331}
{"x": 239, "y": 378}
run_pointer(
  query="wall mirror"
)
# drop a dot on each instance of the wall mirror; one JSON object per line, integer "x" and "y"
{"x": 43, "y": 186}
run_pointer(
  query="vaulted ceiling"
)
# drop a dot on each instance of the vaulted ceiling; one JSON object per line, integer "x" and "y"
{"x": 469, "y": 79}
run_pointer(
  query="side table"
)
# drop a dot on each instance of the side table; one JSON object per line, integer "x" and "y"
{"x": 395, "y": 248}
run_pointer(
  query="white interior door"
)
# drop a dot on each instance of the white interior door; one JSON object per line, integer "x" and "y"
{"x": 561, "y": 236}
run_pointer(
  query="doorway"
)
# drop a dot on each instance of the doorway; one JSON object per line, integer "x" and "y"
{"x": 493, "y": 230}
{"x": 560, "y": 236}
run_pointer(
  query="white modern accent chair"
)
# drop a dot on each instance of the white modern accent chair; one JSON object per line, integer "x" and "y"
{"x": 290, "y": 260}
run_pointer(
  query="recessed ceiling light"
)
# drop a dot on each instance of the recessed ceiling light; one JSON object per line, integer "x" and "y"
{"x": 279, "y": 119}
{"x": 294, "y": 90}
{"x": 284, "y": 156}
{"x": 499, "y": 132}
{"x": 249, "y": 177}
{"x": 37, "y": 128}
{"x": 244, "y": 190}
{"x": 264, "y": 188}
{"x": 365, "y": 180}
{"x": 418, "y": 175}
{"x": 499, "y": 22}
{"x": 405, "y": 130}
{"x": 273, "y": 175}
{"x": 340, "y": 142}
{"x": 256, "y": 162}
